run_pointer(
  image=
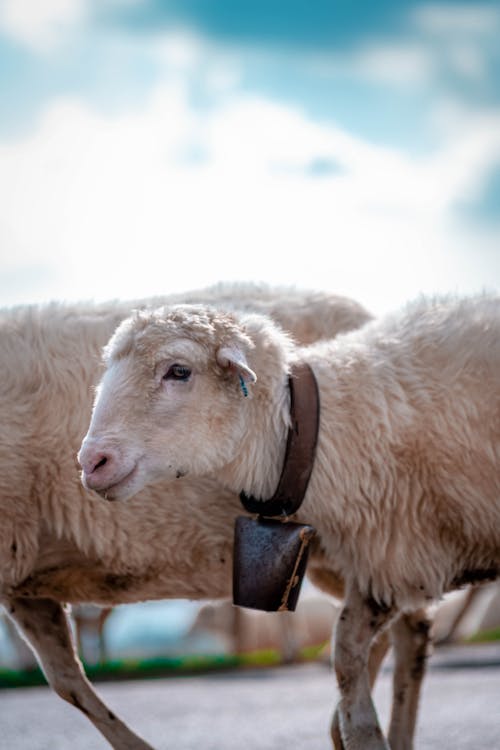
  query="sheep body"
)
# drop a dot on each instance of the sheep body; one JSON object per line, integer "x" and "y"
{"x": 405, "y": 491}
{"x": 61, "y": 543}
{"x": 410, "y": 445}
{"x": 51, "y": 362}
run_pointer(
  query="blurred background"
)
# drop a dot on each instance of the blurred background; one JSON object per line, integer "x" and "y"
{"x": 151, "y": 147}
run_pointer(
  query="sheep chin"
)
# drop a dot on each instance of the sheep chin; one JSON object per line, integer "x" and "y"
{"x": 124, "y": 489}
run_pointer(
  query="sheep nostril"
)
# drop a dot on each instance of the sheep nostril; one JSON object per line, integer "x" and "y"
{"x": 100, "y": 463}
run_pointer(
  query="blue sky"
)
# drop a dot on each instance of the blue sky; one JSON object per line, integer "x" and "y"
{"x": 149, "y": 147}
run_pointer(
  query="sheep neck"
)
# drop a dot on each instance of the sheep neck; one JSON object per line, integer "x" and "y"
{"x": 300, "y": 448}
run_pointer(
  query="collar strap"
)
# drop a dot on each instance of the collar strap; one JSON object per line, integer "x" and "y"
{"x": 300, "y": 448}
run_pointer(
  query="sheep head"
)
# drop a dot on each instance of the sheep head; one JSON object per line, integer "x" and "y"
{"x": 172, "y": 401}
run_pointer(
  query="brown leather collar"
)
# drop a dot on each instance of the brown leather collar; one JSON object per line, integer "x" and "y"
{"x": 300, "y": 448}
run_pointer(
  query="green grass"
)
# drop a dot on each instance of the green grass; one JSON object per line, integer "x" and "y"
{"x": 128, "y": 669}
{"x": 485, "y": 636}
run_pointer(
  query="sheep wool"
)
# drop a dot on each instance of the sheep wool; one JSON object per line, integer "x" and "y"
{"x": 61, "y": 543}
{"x": 405, "y": 490}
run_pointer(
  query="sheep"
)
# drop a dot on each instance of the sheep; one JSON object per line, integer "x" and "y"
{"x": 405, "y": 489}
{"x": 62, "y": 544}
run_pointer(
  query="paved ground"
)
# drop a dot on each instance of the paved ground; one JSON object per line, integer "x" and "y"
{"x": 273, "y": 709}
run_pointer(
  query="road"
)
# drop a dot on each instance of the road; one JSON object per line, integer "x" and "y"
{"x": 269, "y": 709}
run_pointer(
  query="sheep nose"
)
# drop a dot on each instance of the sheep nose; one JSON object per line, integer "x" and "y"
{"x": 96, "y": 463}
{"x": 99, "y": 466}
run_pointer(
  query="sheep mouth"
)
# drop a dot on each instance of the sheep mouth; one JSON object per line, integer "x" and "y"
{"x": 113, "y": 492}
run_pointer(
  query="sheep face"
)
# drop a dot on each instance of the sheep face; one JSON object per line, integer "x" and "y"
{"x": 173, "y": 382}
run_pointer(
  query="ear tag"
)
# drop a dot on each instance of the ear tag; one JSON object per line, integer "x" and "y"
{"x": 243, "y": 386}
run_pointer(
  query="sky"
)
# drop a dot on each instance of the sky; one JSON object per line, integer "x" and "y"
{"x": 152, "y": 147}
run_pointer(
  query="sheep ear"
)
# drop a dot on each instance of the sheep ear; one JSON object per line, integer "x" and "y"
{"x": 232, "y": 357}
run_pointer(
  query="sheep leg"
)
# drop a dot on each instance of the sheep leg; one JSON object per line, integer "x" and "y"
{"x": 360, "y": 621}
{"x": 410, "y": 634}
{"x": 45, "y": 626}
{"x": 378, "y": 651}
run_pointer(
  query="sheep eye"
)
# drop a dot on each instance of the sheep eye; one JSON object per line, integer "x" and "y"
{"x": 177, "y": 372}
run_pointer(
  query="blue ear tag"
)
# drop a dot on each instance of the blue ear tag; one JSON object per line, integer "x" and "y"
{"x": 243, "y": 386}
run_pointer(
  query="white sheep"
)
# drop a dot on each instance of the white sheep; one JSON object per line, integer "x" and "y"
{"x": 405, "y": 489}
{"x": 60, "y": 543}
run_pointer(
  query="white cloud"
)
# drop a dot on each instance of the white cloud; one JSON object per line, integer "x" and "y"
{"x": 180, "y": 51}
{"x": 460, "y": 38}
{"x": 40, "y": 23}
{"x": 406, "y": 63}
{"x": 473, "y": 19}
{"x": 467, "y": 60}
{"x": 439, "y": 39}
{"x": 112, "y": 207}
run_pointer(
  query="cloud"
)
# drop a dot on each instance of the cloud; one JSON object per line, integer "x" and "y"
{"x": 439, "y": 46}
{"x": 473, "y": 19}
{"x": 401, "y": 63}
{"x": 113, "y": 207}
{"x": 39, "y": 24}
